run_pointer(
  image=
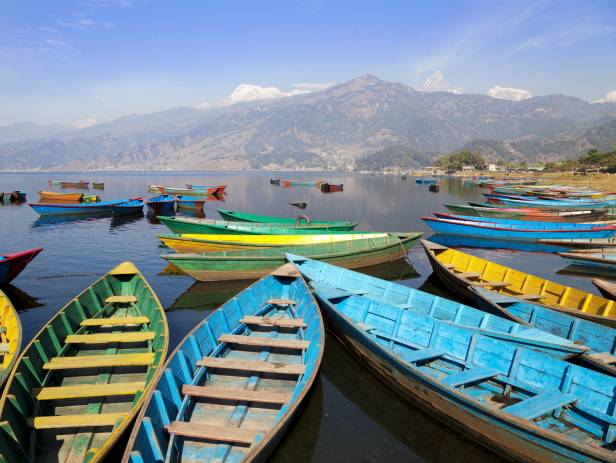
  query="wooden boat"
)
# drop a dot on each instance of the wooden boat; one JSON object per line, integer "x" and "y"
{"x": 223, "y": 227}
{"x": 524, "y": 223}
{"x": 167, "y": 190}
{"x": 518, "y": 232}
{"x": 161, "y": 203}
{"x": 426, "y": 181}
{"x": 604, "y": 263}
{"x": 434, "y": 187}
{"x": 555, "y": 204}
{"x": 82, "y": 379}
{"x": 132, "y": 206}
{"x": 54, "y": 196}
{"x": 524, "y": 404}
{"x": 215, "y": 190}
{"x": 459, "y": 241}
{"x": 458, "y": 271}
{"x": 98, "y": 185}
{"x": 90, "y": 198}
{"x": 369, "y": 291}
{"x": 12, "y": 264}
{"x": 80, "y": 184}
{"x": 584, "y": 243}
{"x": 331, "y": 188}
{"x": 234, "y": 384}
{"x": 10, "y": 337}
{"x": 54, "y": 182}
{"x": 236, "y": 216}
{"x": 253, "y": 264}
{"x": 310, "y": 183}
{"x": 607, "y": 288}
{"x": 274, "y": 181}
{"x": 16, "y": 196}
{"x": 299, "y": 204}
{"x": 197, "y": 243}
{"x": 102, "y": 207}
{"x": 601, "y": 340}
{"x": 190, "y": 202}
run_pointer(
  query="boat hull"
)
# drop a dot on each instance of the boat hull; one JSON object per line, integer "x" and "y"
{"x": 13, "y": 264}
{"x": 53, "y": 196}
{"x": 75, "y": 209}
{"x": 534, "y": 216}
{"x": 235, "y": 216}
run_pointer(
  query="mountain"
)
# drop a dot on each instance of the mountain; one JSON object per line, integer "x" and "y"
{"x": 28, "y": 131}
{"x": 334, "y": 127}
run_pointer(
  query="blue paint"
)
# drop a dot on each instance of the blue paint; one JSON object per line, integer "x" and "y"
{"x": 102, "y": 207}
{"x": 133, "y": 206}
{"x": 522, "y": 223}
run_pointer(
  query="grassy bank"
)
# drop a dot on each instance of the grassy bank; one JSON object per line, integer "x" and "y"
{"x": 594, "y": 180}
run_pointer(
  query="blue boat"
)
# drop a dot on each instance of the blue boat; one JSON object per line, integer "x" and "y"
{"x": 524, "y": 404}
{"x": 102, "y": 207}
{"x": 557, "y": 204}
{"x": 597, "y": 262}
{"x": 426, "y": 181}
{"x": 130, "y": 207}
{"x": 460, "y": 241}
{"x": 161, "y": 203}
{"x": 231, "y": 387}
{"x": 517, "y": 232}
{"x": 190, "y": 202}
{"x": 522, "y": 223}
{"x": 600, "y": 339}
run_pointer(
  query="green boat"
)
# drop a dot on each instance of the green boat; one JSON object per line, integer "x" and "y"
{"x": 253, "y": 264}
{"x": 235, "y": 216}
{"x": 191, "y": 225}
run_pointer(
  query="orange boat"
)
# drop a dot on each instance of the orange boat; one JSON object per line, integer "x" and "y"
{"x": 54, "y": 196}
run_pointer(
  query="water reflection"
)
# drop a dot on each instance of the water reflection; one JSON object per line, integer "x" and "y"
{"x": 122, "y": 221}
{"x": 203, "y": 296}
{"x": 46, "y": 220}
{"x": 20, "y": 299}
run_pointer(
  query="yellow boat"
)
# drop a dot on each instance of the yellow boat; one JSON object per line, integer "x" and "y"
{"x": 459, "y": 270}
{"x": 195, "y": 243}
{"x": 10, "y": 336}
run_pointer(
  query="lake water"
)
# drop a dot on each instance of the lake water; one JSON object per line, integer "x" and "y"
{"x": 350, "y": 416}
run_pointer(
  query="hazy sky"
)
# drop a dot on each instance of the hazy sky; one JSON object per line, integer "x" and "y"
{"x": 64, "y": 61}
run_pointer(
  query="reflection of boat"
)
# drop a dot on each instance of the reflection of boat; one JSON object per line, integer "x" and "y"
{"x": 20, "y": 299}
{"x": 122, "y": 220}
{"x": 207, "y": 296}
{"x": 46, "y": 220}
{"x": 459, "y": 241}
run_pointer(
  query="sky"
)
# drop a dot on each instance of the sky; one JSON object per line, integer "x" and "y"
{"x": 86, "y": 61}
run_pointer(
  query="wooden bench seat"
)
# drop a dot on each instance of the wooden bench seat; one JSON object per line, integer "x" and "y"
{"x": 121, "y": 299}
{"x": 87, "y": 390}
{"x": 76, "y": 421}
{"x": 100, "y": 361}
{"x": 469, "y": 274}
{"x": 529, "y": 297}
{"x": 604, "y": 357}
{"x": 256, "y": 366}
{"x": 493, "y": 284}
{"x": 274, "y": 321}
{"x": 115, "y": 321}
{"x": 470, "y": 376}
{"x": 258, "y": 341}
{"x": 214, "y": 433}
{"x": 104, "y": 338}
{"x": 422, "y": 355}
{"x": 236, "y": 394}
{"x": 281, "y": 302}
{"x": 540, "y": 404}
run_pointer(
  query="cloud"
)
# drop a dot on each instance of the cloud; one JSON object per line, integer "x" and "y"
{"x": 313, "y": 87}
{"x": 204, "y": 105}
{"x": 85, "y": 122}
{"x": 509, "y": 93}
{"x": 248, "y": 92}
{"x": 84, "y": 24}
{"x": 568, "y": 35}
{"x": 436, "y": 82}
{"x": 610, "y": 97}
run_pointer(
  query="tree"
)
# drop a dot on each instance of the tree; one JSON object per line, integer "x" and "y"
{"x": 455, "y": 161}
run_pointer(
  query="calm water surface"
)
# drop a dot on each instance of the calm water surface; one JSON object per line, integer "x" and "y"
{"x": 350, "y": 416}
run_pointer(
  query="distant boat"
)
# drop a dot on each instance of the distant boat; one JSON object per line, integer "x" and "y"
{"x": 102, "y": 207}
{"x": 299, "y": 205}
{"x": 426, "y": 181}
{"x": 79, "y": 184}
{"x": 13, "y": 196}
{"x": 434, "y": 187}
{"x": 12, "y": 264}
{"x": 161, "y": 203}
{"x": 274, "y": 181}
{"x": 190, "y": 202}
{"x": 132, "y": 206}
{"x": 54, "y": 196}
{"x": 292, "y": 183}
{"x": 331, "y": 188}
{"x": 210, "y": 189}
{"x": 98, "y": 186}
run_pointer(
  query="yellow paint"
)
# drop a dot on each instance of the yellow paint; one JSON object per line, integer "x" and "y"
{"x": 88, "y": 390}
{"x": 10, "y": 332}
{"x": 125, "y": 268}
{"x": 96, "y": 361}
{"x": 121, "y": 299}
{"x": 104, "y": 338}
{"x": 115, "y": 321}
{"x": 76, "y": 421}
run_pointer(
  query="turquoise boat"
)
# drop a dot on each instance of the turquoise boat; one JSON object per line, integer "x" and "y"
{"x": 595, "y": 262}
{"x": 190, "y": 202}
{"x": 523, "y": 404}
{"x": 556, "y": 204}
{"x": 234, "y": 383}
{"x": 522, "y": 223}
{"x": 235, "y": 216}
{"x": 101, "y": 207}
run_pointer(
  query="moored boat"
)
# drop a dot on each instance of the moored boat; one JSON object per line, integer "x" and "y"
{"x": 98, "y": 185}
{"x": 167, "y": 190}
{"x": 235, "y": 382}
{"x": 161, "y": 203}
{"x": 529, "y": 214}
{"x": 132, "y": 206}
{"x": 607, "y": 288}
{"x": 102, "y": 207}
{"x": 84, "y": 376}
{"x": 237, "y": 216}
{"x": 13, "y": 263}
{"x": 595, "y": 262}
{"x": 583, "y": 243}
{"x": 55, "y": 196}
{"x": 426, "y": 181}
{"x": 215, "y": 190}
{"x": 79, "y": 184}
{"x": 525, "y": 224}
{"x": 10, "y": 337}
{"x": 190, "y": 202}
{"x": 274, "y": 181}
{"x": 309, "y": 183}
{"x": 331, "y": 188}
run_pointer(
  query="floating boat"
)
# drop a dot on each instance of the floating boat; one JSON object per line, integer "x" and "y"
{"x": 80, "y": 184}
{"x": 10, "y": 337}
{"x": 132, "y": 206}
{"x": 426, "y": 181}
{"x": 54, "y": 182}
{"x": 235, "y": 382}
{"x": 197, "y": 243}
{"x": 311, "y": 183}
{"x": 102, "y": 207}
{"x": 299, "y": 204}
{"x": 434, "y": 187}
{"x": 459, "y": 241}
{"x": 253, "y": 264}
{"x": 14, "y": 196}
{"x": 82, "y": 379}
{"x": 330, "y": 188}
{"x": 210, "y": 189}
{"x": 54, "y": 196}
{"x": 167, "y": 190}
{"x": 369, "y": 292}
{"x": 458, "y": 271}
{"x": 601, "y": 262}
{"x": 161, "y": 203}
{"x": 518, "y": 232}
{"x": 209, "y": 226}
{"x": 522, "y": 403}
{"x": 556, "y": 204}
{"x": 90, "y": 198}
{"x": 236, "y": 216}
{"x": 524, "y": 223}
{"x": 98, "y": 186}
{"x": 190, "y": 202}
{"x": 607, "y": 288}
{"x": 584, "y": 243}
{"x": 12, "y": 264}
{"x": 274, "y": 181}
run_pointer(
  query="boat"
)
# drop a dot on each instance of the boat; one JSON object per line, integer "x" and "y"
{"x": 82, "y": 379}
{"x": 459, "y": 241}
{"x": 528, "y": 214}
{"x": 601, "y": 340}
{"x": 167, "y": 190}
{"x": 458, "y": 271}
{"x": 607, "y": 288}
{"x": 132, "y": 206}
{"x": 223, "y": 227}
{"x": 524, "y": 404}
{"x": 584, "y": 243}
{"x": 98, "y": 186}
{"x": 54, "y": 182}
{"x": 12, "y": 264}
{"x": 161, "y": 203}
{"x": 54, "y": 196}
{"x": 102, "y": 207}
{"x": 216, "y": 190}
{"x": 331, "y": 188}
{"x": 524, "y": 223}
{"x": 434, "y": 187}
{"x": 299, "y": 205}
{"x": 190, "y": 202}
{"x": 557, "y": 204}
{"x": 197, "y": 243}
{"x": 518, "y": 232}
{"x": 595, "y": 262}
{"x": 236, "y": 216}
{"x": 235, "y": 382}
{"x": 90, "y": 198}
{"x": 254, "y": 263}
{"x": 310, "y": 183}
{"x": 10, "y": 337}
{"x": 14, "y": 196}
{"x": 80, "y": 184}
{"x": 274, "y": 181}
{"x": 426, "y": 181}
{"x": 370, "y": 292}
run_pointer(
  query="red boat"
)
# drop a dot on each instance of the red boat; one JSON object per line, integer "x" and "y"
{"x": 11, "y": 265}
{"x": 330, "y": 188}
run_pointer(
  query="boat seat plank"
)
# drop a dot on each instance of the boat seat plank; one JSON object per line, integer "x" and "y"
{"x": 470, "y": 376}
{"x": 256, "y": 366}
{"x": 274, "y": 321}
{"x": 530, "y": 297}
{"x": 214, "y": 433}
{"x": 540, "y": 405}
{"x": 104, "y": 338}
{"x": 469, "y": 274}
{"x": 423, "y": 354}
{"x": 115, "y": 321}
{"x": 245, "y": 395}
{"x": 493, "y": 284}
{"x": 4, "y": 347}
{"x": 121, "y": 299}
{"x": 76, "y": 421}
{"x": 87, "y": 390}
{"x": 99, "y": 361}
{"x": 264, "y": 341}
{"x": 449, "y": 266}
{"x": 604, "y": 357}
{"x": 281, "y": 302}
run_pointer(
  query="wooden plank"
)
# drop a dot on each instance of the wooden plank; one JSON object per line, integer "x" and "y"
{"x": 99, "y": 361}
{"x": 274, "y": 321}
{"x": 281, "y": 302}
{"x": 470, "y": 376}
{"x": 493, "y": 284}
{"x": 236, "y": 394}
{"x": 530, "y": 297}
{"x": 214, "y": 433}
{"x": 88, "y": 390}
{"x": 121, "y": 299}
{"x": 105, "y": 338}
{"x": 423, "y": 354}
{"x": 604, "y": 357}
{"x": 469, "y": 274}
{"x": 4, "y": 347}
{"x": 76, "y": 421}
{"x": 264, "y": 342}
{"x": 256, "y": 366}
{"x": 539, "y": 405}
{"x": 287, "y": 270}
{"x": 115, "y": 321}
